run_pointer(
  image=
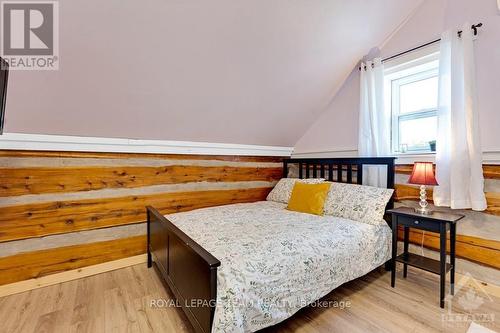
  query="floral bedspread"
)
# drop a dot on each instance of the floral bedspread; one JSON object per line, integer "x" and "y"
{"x": 275, "y": 261}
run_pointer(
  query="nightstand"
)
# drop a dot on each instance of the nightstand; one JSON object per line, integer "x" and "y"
{"x": 439, "y": 222}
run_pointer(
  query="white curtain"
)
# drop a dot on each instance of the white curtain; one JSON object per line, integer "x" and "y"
{"x": 458, "y": 149}
{"x": 374, "y": 135}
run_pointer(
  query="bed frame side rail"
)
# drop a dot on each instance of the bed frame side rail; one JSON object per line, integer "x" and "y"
{"x": 189, "y": 270}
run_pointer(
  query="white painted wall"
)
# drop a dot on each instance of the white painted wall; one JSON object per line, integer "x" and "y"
{"x": 226, "y": 71}
{"x": 337, "y": 128}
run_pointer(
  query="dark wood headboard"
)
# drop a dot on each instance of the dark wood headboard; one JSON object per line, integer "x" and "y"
{"x": 342, "y": 169}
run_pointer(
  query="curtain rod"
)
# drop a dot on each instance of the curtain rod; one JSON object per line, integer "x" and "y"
{"x": 459, "y": 33}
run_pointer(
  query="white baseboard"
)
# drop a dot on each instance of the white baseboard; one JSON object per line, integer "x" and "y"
{"x": 18, "y": 141}
{"x": 44, "y": 281}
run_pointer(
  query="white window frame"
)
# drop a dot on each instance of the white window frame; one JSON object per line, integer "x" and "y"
{"x": 412, "y": 67}
{"x": 397, "y": 117}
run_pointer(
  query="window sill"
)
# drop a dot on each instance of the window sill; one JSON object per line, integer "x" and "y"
{"x": 410, "y": 158}
{"x": 425, "y": 153}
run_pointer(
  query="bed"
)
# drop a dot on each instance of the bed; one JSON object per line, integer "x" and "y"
{"x": 244, "y": 267}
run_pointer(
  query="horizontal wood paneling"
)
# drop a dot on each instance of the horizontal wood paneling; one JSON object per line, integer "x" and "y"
{"x": 72, "y": 238}
{"x": 483, "y": 251}
{"x": 64, "y": 154}
{"x": 68, "y": 194}
{"x": 34, "y": 220}
{"x": 493, "y": 200}
{"x": 23, "y": 181}
{"x": 404, "y": 168}
{"x": 490, "y": 171}
{"x": 411, "y": 192}
{"x": 41, "y": 263}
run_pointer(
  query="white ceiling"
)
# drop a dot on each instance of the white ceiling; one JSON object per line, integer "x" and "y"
{"x": 229, "y": 71}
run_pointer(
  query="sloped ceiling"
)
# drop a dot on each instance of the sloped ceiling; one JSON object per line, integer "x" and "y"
{"x": 229, "y": 71}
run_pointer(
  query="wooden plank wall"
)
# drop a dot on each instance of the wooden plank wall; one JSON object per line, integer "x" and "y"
{"x": 63, "y": 210}
{"x": 482, "y": 250}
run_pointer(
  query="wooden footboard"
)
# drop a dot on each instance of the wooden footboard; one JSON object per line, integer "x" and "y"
{"x": 189, "y": 270}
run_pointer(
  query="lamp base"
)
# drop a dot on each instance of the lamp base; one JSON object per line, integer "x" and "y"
{"x": 423, "y": 203}
{"x": 423, "y": 211}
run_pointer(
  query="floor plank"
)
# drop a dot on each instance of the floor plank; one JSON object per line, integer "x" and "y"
{"x": 120, "y": 301}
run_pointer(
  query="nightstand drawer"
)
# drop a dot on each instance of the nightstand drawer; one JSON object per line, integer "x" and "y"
{"x": 419, "y": 223}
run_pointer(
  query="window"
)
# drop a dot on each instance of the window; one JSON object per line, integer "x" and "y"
{"x": 412, "y": 96}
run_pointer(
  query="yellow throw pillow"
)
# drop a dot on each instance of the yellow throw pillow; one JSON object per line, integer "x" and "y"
{"x": 308, "y": 198}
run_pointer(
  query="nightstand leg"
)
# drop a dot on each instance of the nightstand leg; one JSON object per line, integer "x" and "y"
{"x": 442, "y": 250}
{"x": 394, "y": 249}
{"x": 453, "y": 233}
{"x": 406, "y": 241}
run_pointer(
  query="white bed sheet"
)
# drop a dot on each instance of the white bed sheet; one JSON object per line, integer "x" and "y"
{"x": 275, "y": 261}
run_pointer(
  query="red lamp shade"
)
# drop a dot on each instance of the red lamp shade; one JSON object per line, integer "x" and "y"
{"x": 422, "y": 174}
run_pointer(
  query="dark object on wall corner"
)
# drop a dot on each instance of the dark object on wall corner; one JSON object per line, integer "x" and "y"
{"x": 432, "y": 145}
{"x": 4, "y": 75}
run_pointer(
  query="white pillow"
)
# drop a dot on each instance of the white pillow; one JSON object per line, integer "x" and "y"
{"x": 358, "y": 202}
{"x": 283, "y": 189}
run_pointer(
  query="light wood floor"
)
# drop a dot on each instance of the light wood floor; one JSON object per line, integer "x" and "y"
{"x": 119, "y": 301}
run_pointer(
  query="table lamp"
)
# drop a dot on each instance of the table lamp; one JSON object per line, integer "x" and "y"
{"x": 423, "y": 175}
